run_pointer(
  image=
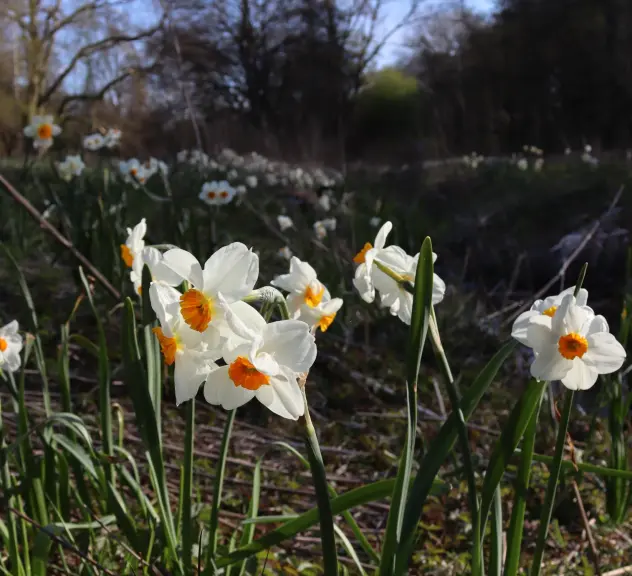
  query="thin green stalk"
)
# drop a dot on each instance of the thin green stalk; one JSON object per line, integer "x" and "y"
{"x": 496, "y": 553}
{"x": 187, "y": 484}
{"x": 420, "y": 320}
{"x": 516, "y": 524}
{"x": 468, "y": 465}
{"x": 551, "y": 489}
{"x": 217, "y": 495}
{"x": 319, "y": 477}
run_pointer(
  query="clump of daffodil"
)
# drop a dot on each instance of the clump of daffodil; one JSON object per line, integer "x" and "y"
{"x": 570, "y": 343}
{"x": 42, "y": 130}
{"x": 391, "y": 271}
{"x": 217, "y": 193}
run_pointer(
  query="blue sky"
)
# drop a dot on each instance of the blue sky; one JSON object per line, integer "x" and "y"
{"x": 397, "y": 9}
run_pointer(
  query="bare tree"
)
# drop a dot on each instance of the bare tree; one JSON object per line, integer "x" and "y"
{"x": 57, "y": 38}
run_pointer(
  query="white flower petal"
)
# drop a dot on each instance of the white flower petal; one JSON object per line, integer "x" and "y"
{"x": 605, "y": 354}
{"x": 165, "y": 302}
{"x": 291, "y": 344}
{"x": 233, "y": 270}
{"x": 550, "y": 365}
{"x": 189, "y": 373}
{"x": 521, "y": 324}
{"x": 185, "y": 265}
{"x": 10, "y": 328}
{"x": 438, "y": 289}
{"x": 246, "y": 325}
{"x": 283, "y": 397}
{"x": 380, "y": 238}
{"x": 580, "y": 376}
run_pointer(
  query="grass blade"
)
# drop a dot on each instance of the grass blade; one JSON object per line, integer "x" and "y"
{"x": 346, "y": 501}
{"x": 217, "y": 494}
{"x": 422, "y": 305}
{"x": 551, "y": 488}
{"x": 187, "y": 488}
{"x": 510, "y": 437}
{"x": 468, "y": 465}
{"x": 104, "y": 382}
{"x": 438, "y": 451}
{"x": 319, "y": 478}
{"x": 516, "y": 524}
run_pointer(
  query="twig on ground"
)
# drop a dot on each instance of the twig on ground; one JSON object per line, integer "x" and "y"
{"x": 63, "y": 543}
{"x": 591, "y": 540}
{"x": 46, "y": 225}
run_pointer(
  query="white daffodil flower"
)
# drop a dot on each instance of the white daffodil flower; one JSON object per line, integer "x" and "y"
{"x": 573, "y": 346}
{"x": 394, "y": 295}
{"x": 112, "y": 138}
{"x": 232, "y": 271}
{"x": 217, "y": 193}
{"x": 10, "y": 347}
{"x": 72, "y": 166}
{"x": 160, "y": 274}
{"x": 320, "y": 230}
{"x": 94, "y": 142}
{"x": 285, "y": 222}
{"x": 362, "y": 280}
{"x": 285, "y": 252}
{"x": 308, "y": 299}
{"x": 548, "y": 306}
{"x": 303, "y": 286}
{"x": 42, "y": 130}
{"x": 262, "y": 361}
{"x": 133, "y": 172}
{"x": 193, "y": 353}
{"x": 134, "y": 244}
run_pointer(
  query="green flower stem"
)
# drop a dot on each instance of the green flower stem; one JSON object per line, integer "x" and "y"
{"x": 551, "y": 489}
{"x": 319, "y": 477}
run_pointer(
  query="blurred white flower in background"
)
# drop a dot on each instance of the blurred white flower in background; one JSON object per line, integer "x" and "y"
{"x": 375, "y": 221}
{"x": 93, "y": 142}
{"x": 72, "y": 166}
{"x": 217, "y": 193}
{"x": 522, "y": 164}
{"x": 320, "y": 230}
{"x": 285, "y": 222}
{"x": 537, "y": 164}
{"x": 112, "y": 138}
{"x": 285, "y": 253}
{"x": 251, "y": 181}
